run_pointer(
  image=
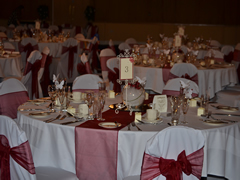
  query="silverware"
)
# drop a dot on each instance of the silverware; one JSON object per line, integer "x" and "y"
{"x": 222, "y": 114}
{"x": 63, "y": 117}
{"x": 134, "y": 124}
{"x": 140, "y": 121}
{"x": 169, "y": 124}
{"x": 129, "y": 128}
{"x": 51, "y": 120}
{"x": 70, "y": 122}
{"x": 227, "y": 120}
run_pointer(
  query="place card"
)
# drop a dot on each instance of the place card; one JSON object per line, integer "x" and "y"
{"x": 146, "y": 96}
{"x": 193, "y": 103}
{"x": 37, "y": 25}
{"x": 160, "y": 103}
{"x": 138, "y": 115}
{"x": 178, "y": 41}
{"x": 181, "y": 31}
{"x": 126, "y": 68}
{"x": 83, "y": 109}
{"x": 200, "y": 111}
{"x": 111, "y": 94}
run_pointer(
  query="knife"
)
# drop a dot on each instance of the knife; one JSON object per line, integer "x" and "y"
{"x": 222, "y": 114}
{"x": 70, "y": 122}
{"x": 63, "y": 117}
{"x": 51, "y": 120}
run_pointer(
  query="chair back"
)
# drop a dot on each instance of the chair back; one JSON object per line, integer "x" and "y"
{"x": 3, "y": 29}
{"x": 236, "y": 53}
{"x": 79, "y": 37}
{"x": 30, "y": 76}
{"x": 131, "y": 41}
{"x": 15, "y": 151}
{"x": 172, "y": 87}
{"x": 122, "y": 46}
{"x": 113, "y": 74}
{"x": 217, "y": 55}
{"x": 8, "y": 46}
{"x": 227, "y": 49}
{"x": 215, "y": 43}
{"x": 171, "y": 149}
{"x": 67, "y": 67}
{"x": 26, "y": 46}
{"x": 111, "y": 45}
{"x": 12, "y": 94}
{"x": 86, "y": 82}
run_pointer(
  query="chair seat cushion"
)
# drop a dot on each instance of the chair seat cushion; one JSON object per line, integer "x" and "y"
{"x": 51, "y": 173}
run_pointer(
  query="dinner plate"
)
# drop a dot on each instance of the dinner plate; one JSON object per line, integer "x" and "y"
{"x": 39, "y": 114}
{"x": 227, "y": 108}
{"x": 109, "y": 125}
{"x": 215, "y": 122}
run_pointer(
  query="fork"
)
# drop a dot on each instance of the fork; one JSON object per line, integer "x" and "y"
{"x": 134, "y": 124}
{"x": 51, "y": 120}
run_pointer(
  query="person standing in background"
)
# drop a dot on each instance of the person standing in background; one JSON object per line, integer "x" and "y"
{"x": 16, "y": 16}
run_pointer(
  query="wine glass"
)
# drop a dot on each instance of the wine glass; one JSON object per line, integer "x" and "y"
{"x": 89, "y": 100}
{"x": 52, "y": 94}
{"x": 101, "y": 102}
{"x": 61, "y": 93}
{"x": 185, "y": 106}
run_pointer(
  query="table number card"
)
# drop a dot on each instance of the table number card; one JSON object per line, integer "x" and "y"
{"x": 126, "y": 68}
{"x": 37, "y": 25}
{"x": 160, "y": 103}
{"x": 181, "y": 31}
{"x": 178, "y": 41}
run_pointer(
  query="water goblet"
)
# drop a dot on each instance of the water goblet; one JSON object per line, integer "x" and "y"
{"x": 89, "y": 100}
{"x": 185, "y": 106}
{"x": 101, "y": 102}
{"x": 52, "y": 94}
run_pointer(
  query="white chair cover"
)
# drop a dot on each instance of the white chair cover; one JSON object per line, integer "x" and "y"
{"x": 184, "y": 49}
{"x": 86, "y": 82}
{"x": 3, "y": 29}
{"x": 12, "y": 94}
{"x": 180, "y": 69}
{"x": 62, "y": 68}
{"x": 219, "y": 56}
{"x": 215, "y": 43}
{"x": 229, "y": 97}
{"x": 111, "y": 45}
{"x": 106, "y": 54}
{"x": 8, "y": 46}
{"x": 131, "y": 41}
{"x": 3, "y": 35}
{"x": 237, "y": 47}
{"x": 27, "y": 78}
{"x": 170, "y": 142}
{"x": 24, "y": 42}
{"x": 111, "y": 64}
{"x": 227, "y": 49}
{"x": 16, "y": 137}
{"x": 173, "y": 86}
{"x": 122, "y": 46}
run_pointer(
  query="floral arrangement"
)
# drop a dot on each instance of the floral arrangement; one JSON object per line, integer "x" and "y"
{"x": 43, "y": 12}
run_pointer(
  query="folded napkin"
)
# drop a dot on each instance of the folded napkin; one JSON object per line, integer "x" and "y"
{"x": 195, "y": 53}
{"x": 84, "y": 58}
{"x": 161, "y": 35}
{"x": 197, "y": 39}
{"x": 166, "y": 51}
{"x": 185, "y": 36}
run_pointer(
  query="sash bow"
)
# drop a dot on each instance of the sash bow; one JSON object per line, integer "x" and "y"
{"x": 112, "y": 76}
{"x": 28, "y": 48}
{"x": 21, "y": 154}
{"x": 71, "y": 50}
{"x": 171, "y": 169}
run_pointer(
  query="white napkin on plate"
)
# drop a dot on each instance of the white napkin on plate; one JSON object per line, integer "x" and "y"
{"x": 84, "y": 58}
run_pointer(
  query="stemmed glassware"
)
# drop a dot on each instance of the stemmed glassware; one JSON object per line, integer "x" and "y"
{"x": 101, "y": 102}
{"x": 175, "y": 109}
{"x": 63, "y": 98}
{"x": 52, "y": 94}
{"x": 89, "y": 100}
{"x": 185, "y": 106}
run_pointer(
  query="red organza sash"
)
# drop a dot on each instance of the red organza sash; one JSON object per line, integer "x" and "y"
{"x": 186, "y": 76}
{"x": 96, "y": 147}
{"x": 113, "y": 76}
{"x": 21, "y": 154}
{"x": 192, "y": 164}
{"x": 113, "y": 48}
{"x": 94, "y": 56}
{"x": 103, "y": 61}
{"x": 34, "y": 68}
{"x": 71, "y": 50}
{"x": 228, "y": 58}
{"x": 46, "y": 75}
{"x": 11, "y": 101}
{"x": 236, "y": 55}
{"x": 27, "y": 48}
{"x": 81, "y": 68}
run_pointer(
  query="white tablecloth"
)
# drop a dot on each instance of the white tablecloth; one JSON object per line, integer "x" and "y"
{"x": 213, "y": 79}
{"x": 54, "y": 145}
{"x": 11, "y": 66}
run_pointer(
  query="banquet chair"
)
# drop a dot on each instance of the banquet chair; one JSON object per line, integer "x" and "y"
{"x": 172, "y": 88}
{"x": 84, "y": 66}
{"x": 113, "y": 74}
{"x": 131, "y": 42}
{"x": 236, "y": 53}
{"x": 8, "y": 46}
{"x": 21, "y": 163}
{"x": 183, "y": 70}
{"x": 184, "y": 49}
{"x": 33, "y": 73}
{"x": 86, "y": 82}
{"x": 106, "y": 54}
{"x": 170, "y": 151}
{"x": 12, "y": 94}
{"x": 215, "y": 44}
{"x": 229, "y": 96}
{"x": 54, "y": 29}
{"x": 3, "y": 29}
{"x": 91, "y": 31}
{"x": 79, "y": 37}
{"x": 26, "y": 46}
{"x": 1, "y": 72}
{"x": 123, "y": 46}
{"x": 227, "y": 50}
{"x": 67, "y": 67}
{"x": 216, "y": 54}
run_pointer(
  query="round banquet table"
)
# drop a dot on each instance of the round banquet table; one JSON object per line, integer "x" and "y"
{"x": 11, "y": 66}
{"x": 208, "y": 79}
{"x": 53, "y": 144}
